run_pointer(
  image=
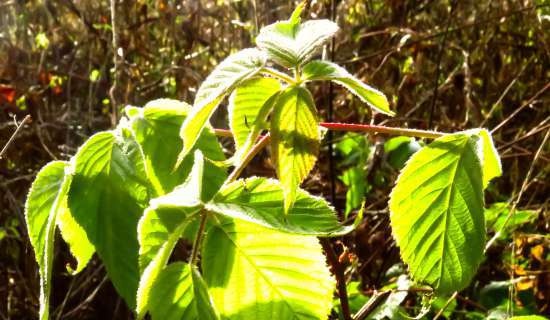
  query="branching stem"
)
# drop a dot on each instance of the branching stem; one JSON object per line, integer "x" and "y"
{"x": 279, "y": 75}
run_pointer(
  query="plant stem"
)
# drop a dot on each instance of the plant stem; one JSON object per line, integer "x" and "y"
{"x": 381, "y": 129}
{"x": 338, "y": 272}
{"x": 279, "y": 75}
{"x": 198, "y": 238}
{"x": 336, "y": 126}
{"x": 264, "y": 140}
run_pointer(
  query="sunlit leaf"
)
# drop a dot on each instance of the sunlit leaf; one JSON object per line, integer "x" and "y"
{"x": 162, "y": 225}
{"x": 325, "y": 70}
{"x": 356, "y": 180}
{"x": 75, "y": 236}
{"x": 156, "y": 128}
{"x": 436, "y": 211}
{"x": 246, "y": 104}
{"x": 107, "y": 196}
{"x": 159, "y": 229}
{"x": 181, "y": 293}
{"x": 260, "y": 201}
{"x": 294, "y": 139}
{"x": 223, "y": 79}
{"x": 44, "y": 202}
{"x": 492, "y": 167}
{"x": 242, "y": 265}
{"x": 291, "y": 44}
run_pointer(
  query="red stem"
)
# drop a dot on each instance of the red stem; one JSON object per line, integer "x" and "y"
{"x": 356, "y": 127}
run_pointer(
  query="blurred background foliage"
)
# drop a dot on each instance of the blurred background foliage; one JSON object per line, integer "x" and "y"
{"x": 447, "y": 65}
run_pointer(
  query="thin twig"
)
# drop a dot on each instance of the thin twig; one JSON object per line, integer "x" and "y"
{"x": 541, "y": 91}
{"x": 521, "y": 191}
{"x": 12, "y": 138}
{"x": 117, "y": 61}
{"x": 440, "y": 312}
{"x": 495, "y": 105}
{"x": 439, "y": 57}
{"x": 371, "y": 304}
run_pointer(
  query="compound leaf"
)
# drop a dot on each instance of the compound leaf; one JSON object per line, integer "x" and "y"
{"x": 260, "y": 201}
{"x": 294, "y": 139}
{"x": 290, "y": 43}
{"x": 258, "y": 273}
{"x": 181, "y": 293}
{"x": 325, "y": 70}
{"x": 223, "y": 79}
{"x": 436, "y": 211}
{"x": 107, "y": 196}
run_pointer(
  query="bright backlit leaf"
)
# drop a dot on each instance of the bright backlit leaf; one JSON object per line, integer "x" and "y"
{"x": 44, "y": 202}
{"x": 107, "y": 196}
{"x": 223, "y": 79}
{"x": 245, "y": 105}
{"x": 294, "y": 139}
{"x": 156, "y": 128}
{"x": 260, "y": 201}
{"x": 181, "y": 293}
{"x": 241, "y": 263}
{"x": 291, "y": 43}
{"x": 325, "y": 70}
{"x": 163, "y": 224}
{"x": 436, "y": 211}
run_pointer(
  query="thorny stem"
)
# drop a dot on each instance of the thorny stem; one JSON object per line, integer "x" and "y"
{"x": 381, "y": 129}
{"x": 336, "y": 126}
{"x": 198, "y": 238}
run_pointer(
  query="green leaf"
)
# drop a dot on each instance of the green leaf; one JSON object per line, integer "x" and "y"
{"x": 159, "y": 229}
{"x": 294, "y": 139}
{"x": 156, "y": 128}
{"x": 355, "y": 179}
{"x": 530, "y": 317}
{"x": 225, "y": 77}
{"x": 245, "y": 107}
{"x": 291, "y": 44}
{"x": 325, "y": 70}
{"x": 260, "y": 201}
{"x": 258, "y": 273}
{"x": 107, "y": 196}
{"x": 436, "y": 211}
{"x": 295, "y": 16}
{"x": 163, "y": 224}
{"x": 399, "y": 149}
{"x": 75, "y": 236}
{"x": 496, "y": 216}
{"x": 492, "y": 167}
{"x": 181, "y": 293}
{"x": 44, "y": 201}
